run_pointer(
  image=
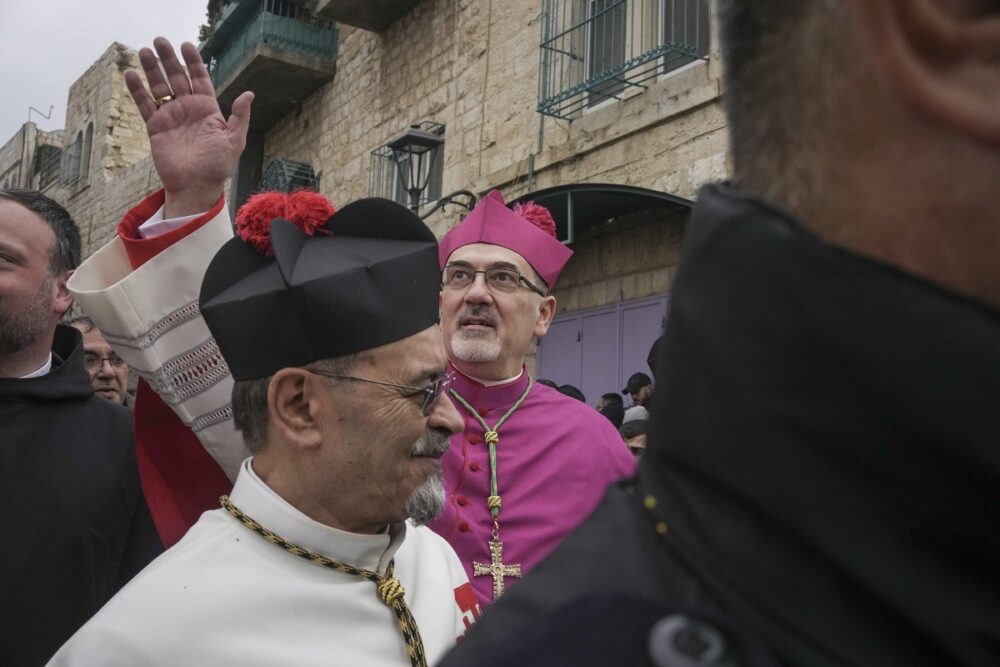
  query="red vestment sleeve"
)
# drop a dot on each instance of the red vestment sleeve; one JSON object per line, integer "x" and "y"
{"x": 180, "y": 480}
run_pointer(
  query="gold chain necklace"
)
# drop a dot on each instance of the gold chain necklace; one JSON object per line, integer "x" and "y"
{"x": 390, "y": 591}
{"x": 496, "y": 567}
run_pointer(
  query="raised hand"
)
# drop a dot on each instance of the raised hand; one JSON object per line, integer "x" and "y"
{"x": 194, "y": 147}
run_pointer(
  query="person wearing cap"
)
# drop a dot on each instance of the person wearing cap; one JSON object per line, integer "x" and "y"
{"x": 640, "y": 388}
{"x": 325, "y": 325}
{"x": 530, "y": 462}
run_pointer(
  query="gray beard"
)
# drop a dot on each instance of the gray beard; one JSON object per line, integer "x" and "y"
{"x": 475, "y": 349}
{"x": 22, "y": 328}
{"x": 426, "y": 502}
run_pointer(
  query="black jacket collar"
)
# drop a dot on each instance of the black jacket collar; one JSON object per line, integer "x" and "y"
{"x": 825, "y": 444}
{"x": 67, "y": 379}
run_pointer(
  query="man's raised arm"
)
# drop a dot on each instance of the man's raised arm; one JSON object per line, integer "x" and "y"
{"x": 142, "y": 289}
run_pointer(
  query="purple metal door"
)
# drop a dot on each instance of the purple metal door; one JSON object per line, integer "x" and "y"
{"x": 641, "y": 324}
{"x": 560, "y": 350}
{"x": 597, "y": 350}
{"x": 599, "y": 354}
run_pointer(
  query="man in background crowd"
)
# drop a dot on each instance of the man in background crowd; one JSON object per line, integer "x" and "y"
{"x": 611, "y": 406}
{"x": 634, "y": 434}
{"x": 640, "y": 388}
{"x": 108, "y": 371}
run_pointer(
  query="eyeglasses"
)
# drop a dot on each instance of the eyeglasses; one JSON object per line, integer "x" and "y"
{"x": 501, "y": 279}
{"x": 430, "y": 392}
{"x": 95, "y": 361}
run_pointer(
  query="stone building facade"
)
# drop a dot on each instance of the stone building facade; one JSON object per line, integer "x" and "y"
{"x": 28, "y": 147}
{"x": 99, "y": 165}
{"x": 335, "y": 80}
{"x": 475, "y": 69}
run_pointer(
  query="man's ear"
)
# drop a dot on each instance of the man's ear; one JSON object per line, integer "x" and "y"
{"x": 941, "y": 57}
{"x": 62, "y": 298}
{"x": 546, "y": 311}
{"x": 293, "y": 404}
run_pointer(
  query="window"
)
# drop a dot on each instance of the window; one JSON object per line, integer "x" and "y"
{"x": 69, "y": 169}
{"x": 686, "y": 29}
{"x": 88, "y": 144}
{"x": 48, "y": 164}
{"x": 284, "y": 175}
{"x": 596, "y": 50}
{"x": 605, "y": 49}
{"x": 385, "y": 176}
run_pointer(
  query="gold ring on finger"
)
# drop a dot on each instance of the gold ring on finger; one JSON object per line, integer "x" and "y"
{"x": 160, "y": 101}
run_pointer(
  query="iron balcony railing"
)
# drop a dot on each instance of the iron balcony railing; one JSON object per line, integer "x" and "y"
{"x": 595, "y": 50}
{"x": 278, "y": 23}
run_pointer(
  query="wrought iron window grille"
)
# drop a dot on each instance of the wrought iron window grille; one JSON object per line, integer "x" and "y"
{"x": 48, "y": 162}
{"x": 283, "y": 175}
{"x": 597, "y": 50}
{"x": 69, "y": 168}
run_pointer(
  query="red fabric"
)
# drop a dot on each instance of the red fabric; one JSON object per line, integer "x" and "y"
{"x": 465, "y": 598}
{"x": 139, "y": 250}
{"x": 179, "y": 479}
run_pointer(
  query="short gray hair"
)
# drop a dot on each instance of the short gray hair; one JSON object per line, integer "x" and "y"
{"x": 250, "y": 399}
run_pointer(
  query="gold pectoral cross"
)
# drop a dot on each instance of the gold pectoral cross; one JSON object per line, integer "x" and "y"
{"x": 496, "y": 568}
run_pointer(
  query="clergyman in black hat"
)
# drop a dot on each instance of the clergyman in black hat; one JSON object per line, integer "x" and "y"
{"x": 328, "y": 324}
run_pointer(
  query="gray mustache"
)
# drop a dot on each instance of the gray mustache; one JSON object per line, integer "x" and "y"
{"x": 481, "y": 312}
{"x": 431, "y": 443}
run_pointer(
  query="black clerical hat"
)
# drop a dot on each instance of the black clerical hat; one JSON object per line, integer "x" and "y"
{"x": 366, "y": 276}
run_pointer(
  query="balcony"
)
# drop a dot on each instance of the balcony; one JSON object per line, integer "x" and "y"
{"x": 277, "y": 49}
{"x": 373, "y": 15}
{"x": 593, "y": 51}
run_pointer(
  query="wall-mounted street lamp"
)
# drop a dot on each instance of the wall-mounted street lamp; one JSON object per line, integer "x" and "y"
{"x": 415, "y": 152}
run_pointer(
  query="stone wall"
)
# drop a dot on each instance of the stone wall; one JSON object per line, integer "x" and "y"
{"x": 119, "y": 167}
{"x": 631, "y": 258}
{"x": 15, "y": 157}
{"x": 18, "y": 155}
{"x": 473, "y": 65}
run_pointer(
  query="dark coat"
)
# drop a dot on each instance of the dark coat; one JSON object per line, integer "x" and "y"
{"x": 75, "y": 525}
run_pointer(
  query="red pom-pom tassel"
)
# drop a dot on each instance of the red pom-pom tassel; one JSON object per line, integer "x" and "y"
{"x": 537, "y": 215}
{"x": 307, "y": 210}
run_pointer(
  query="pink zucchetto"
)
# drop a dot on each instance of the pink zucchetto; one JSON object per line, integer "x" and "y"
{"x": 528, "y": 230}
